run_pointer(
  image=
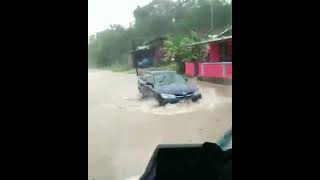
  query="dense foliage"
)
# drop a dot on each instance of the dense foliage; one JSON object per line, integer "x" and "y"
{"x": 183, "y": 21}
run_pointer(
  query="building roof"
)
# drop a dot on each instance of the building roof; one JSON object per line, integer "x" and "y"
{"x": 146, "y": 45}
{"x": 140, "y": 48}
{"x": 221, "y": 39}
{"x": 225, "y": 32}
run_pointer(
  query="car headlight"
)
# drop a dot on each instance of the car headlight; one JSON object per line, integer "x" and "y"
{"x": 197, "y": 93}
{"x": 168, "y": 96}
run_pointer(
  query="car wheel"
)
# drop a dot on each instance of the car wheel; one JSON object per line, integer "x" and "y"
{"x": 195, "y": 100}
{"x": 160, "y": 101}
{"x": 142, "y": 95}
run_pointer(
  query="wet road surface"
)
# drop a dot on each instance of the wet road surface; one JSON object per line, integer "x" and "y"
{"x": 123, "y": 129}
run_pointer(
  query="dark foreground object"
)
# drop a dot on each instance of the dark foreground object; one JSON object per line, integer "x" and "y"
{"x": 198, "y": 162}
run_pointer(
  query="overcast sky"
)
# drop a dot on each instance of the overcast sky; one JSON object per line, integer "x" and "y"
{"x": 102, "y": 13}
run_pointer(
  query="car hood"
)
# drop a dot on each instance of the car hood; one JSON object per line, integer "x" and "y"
{"x": 177, "y": 88}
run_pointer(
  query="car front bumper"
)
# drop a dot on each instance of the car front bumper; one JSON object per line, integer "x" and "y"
{"x": 178, "y": 99}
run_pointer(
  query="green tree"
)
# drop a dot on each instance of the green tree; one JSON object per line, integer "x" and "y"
{"x": 177, "y": 50}
{"x": 158, "y": 18}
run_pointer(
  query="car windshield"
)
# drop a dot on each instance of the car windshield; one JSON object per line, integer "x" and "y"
{"x": 168, "y": 78}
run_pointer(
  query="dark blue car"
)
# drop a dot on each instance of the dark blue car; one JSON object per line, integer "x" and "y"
{"x": 167, "y": 87}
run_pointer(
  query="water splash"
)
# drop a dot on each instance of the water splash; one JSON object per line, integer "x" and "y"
{"x": 150, "y": 105}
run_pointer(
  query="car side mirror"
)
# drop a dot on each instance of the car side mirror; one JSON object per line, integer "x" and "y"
{"x": 150, "y": 84}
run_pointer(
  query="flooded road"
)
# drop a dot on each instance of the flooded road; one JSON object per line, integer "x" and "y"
{"x": 123, "y": 129}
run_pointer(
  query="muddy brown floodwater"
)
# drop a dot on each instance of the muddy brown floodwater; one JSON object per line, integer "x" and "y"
{"x": 123, "y": 130}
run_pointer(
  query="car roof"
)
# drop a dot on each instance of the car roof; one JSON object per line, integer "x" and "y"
{"x": 158, "y": 71}
{"x": 155, "y": 71}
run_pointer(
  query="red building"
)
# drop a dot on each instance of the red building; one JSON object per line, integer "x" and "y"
{"x": 217, "y": 65}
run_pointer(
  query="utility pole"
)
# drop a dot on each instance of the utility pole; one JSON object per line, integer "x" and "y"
{"x": 211, "y": 17}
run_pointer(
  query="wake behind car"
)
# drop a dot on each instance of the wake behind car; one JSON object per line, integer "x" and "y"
{"x": 167, "y": 87}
